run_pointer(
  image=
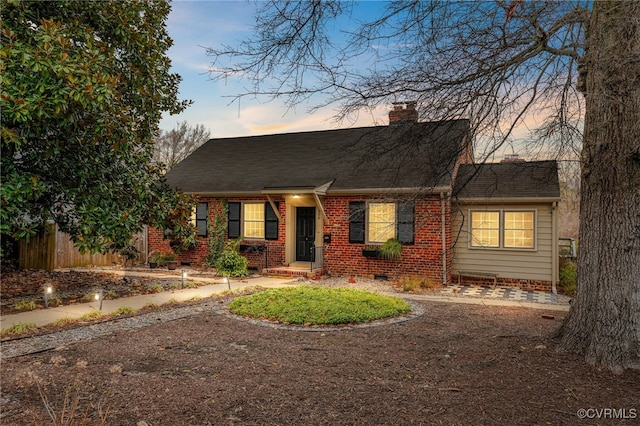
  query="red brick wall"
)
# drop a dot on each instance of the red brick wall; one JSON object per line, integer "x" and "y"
{"x": 424, "y": 257}
{"x": 274, "y": 255}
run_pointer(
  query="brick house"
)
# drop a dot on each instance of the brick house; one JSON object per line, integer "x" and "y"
{"x": 322, "y": 202}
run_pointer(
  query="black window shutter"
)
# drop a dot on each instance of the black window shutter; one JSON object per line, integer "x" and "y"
{"x": 270, "y": 222}
{"x": 202, "y": 212}
{"x": 233, "y": 225}
{"x": 405, "y": 222}
{"x": 356, "y": 221}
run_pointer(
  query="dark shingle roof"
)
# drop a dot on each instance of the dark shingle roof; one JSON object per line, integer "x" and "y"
{"x": 530, "y": 179}
{"x": 383, "y": 157}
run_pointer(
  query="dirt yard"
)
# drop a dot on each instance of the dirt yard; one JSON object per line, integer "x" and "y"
{"x": 454, "y": 365}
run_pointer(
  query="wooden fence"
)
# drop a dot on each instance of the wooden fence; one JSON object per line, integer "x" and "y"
{"x": 54, "y": 249}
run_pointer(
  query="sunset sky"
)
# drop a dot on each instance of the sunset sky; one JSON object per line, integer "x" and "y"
{"x": 194, "y": 25}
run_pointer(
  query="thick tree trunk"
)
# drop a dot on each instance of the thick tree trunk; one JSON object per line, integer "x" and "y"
{"x": 604, "y": 321}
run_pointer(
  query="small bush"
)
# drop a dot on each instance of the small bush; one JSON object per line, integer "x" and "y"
{"x": 568, "y": 275}
{"x": 415, "y": 282}
{"x": 56, "y": 301}
{"x": 232, "y": 264}
{"x": 125, "y": 310}
{"x": 25, "y": 305}
{"x": 69, "y": 411}
{"x": 155, "y": 288}
{"x": 191, "y": 284}
{"x": 151, "y": 305}
{"x": 20, "y": 328}
{"x": 110, "y": 294}
{"x": 63, "y": 321}
{"x": 391, "y": 249}
{"x": 91, "y": 316}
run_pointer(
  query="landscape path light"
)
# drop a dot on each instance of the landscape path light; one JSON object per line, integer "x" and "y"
{"x": 184, "y": 275}
{"x": 99, "y": 296}
{"x": 48, "y": 291}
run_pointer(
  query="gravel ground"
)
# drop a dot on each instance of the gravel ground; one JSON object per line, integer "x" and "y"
{"x": 40, "y": 343}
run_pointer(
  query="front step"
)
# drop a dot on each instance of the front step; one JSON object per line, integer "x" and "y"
{"x": 284, "y": 271}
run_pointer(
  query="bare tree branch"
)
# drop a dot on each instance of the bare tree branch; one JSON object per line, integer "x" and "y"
{"x": 174, "y": 145}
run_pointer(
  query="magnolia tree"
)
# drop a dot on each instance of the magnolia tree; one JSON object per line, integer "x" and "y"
{"x": 571, "y": 67}
{"x": 83, "y": 87}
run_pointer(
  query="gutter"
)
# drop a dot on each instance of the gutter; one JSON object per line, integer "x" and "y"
{"x": 323, "y": 190}
{"x": 382, "y": 191}
{"x": 491, "y": 200}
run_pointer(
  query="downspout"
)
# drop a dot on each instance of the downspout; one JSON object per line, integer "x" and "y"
{"x": 554, "y": 247}
{"x": 444, "y": 237}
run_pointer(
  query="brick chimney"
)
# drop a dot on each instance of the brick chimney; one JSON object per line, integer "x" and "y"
{"x": 512, "y": 158}
{"x": 403, "y": 112}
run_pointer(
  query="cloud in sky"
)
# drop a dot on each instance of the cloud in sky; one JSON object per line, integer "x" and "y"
{"x": 195, "y": 25}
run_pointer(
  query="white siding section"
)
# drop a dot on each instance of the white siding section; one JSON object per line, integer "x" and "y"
{"x": 506, "y": 263}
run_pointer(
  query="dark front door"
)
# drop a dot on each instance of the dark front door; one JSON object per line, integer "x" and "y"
{"x": 305, "y": 232}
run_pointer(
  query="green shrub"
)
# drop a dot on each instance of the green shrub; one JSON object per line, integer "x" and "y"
{"x": 217, "y": 233}
{"x": 125, "y": 310}
{"x": 61, "y": 322}
{"x": 191, "y": 284}
{"x": 20, "y": 328}
{"x": 232, "y": 264}
{"x": 91, "y": 316}
{"x": 155, "y": 288}
{"x": 56, "y": 301}
{"x": 391, "y": 249}
{"x": 568, "y": 275}
{"x": 316, "y": 305}
{"x": 25, "y": 305}
{"x": 415, "y": 282}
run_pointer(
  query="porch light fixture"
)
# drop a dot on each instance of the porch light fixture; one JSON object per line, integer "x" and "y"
{"x": 48, "y": 291}
{"x": 99, "y": 297}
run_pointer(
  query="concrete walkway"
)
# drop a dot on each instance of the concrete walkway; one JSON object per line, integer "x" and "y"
{"x": 217, "y": 285}
{"x": 41, "y": 317}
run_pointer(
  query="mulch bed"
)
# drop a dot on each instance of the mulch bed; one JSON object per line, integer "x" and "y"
{"x": 454, "y": 365}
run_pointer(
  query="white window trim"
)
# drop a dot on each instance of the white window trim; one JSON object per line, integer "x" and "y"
{"x": 501, "y": 246}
